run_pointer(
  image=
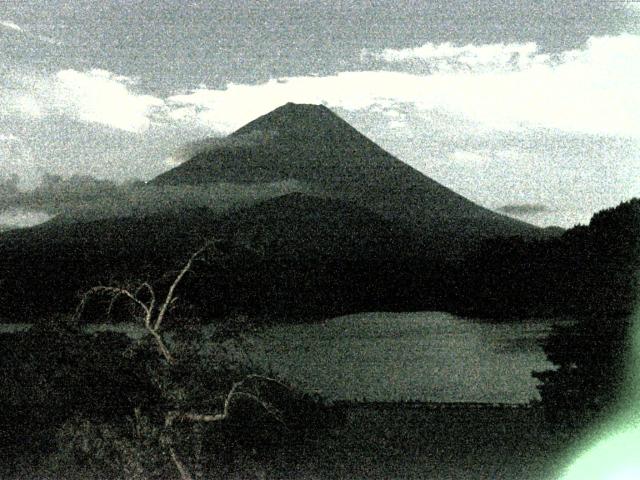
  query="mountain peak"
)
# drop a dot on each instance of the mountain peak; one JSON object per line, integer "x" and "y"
{"x": 313, "y": 146}
{"x": 294, "y": 115}
{"x": 297, "y": 109}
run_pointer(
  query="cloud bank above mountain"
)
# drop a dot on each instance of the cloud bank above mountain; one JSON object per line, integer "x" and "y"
{"x": 504, "y": 87}
{"x": 95, "y": 96}
{"x": 500, "y": 86}
{"x": 525, "y": 105}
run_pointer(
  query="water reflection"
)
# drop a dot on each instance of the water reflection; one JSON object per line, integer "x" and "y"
{"x": 428, "y": 356}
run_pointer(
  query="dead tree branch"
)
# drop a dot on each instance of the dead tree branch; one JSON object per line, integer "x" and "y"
{"x": 169, "y": 299}
{"x": 184, "y": 471}
{"x": 153, "y": 316}
{"x": 176, "y": 416}
{"x": 233, "y": 394}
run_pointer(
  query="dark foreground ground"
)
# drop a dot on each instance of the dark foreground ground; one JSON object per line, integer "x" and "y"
{"x": 410, "y": 441}
{"x": 415, "y": 441}
{"x": 396, "y": 441}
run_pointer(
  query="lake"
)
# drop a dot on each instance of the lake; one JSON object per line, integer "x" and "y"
{"x": 379, "y": 356}
{"x": 426, "y": 356}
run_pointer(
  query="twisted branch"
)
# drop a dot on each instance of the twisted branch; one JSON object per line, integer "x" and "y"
{"x": 170, "y": 294}
{"x": 151, "y": 324}
{"x": 177, "y": 416}
{"x": 233, "y": 394}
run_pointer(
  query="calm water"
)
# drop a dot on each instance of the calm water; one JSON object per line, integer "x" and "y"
{"x": 429, "y": 356}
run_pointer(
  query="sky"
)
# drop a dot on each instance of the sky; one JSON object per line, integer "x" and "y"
{"x": 529, "y": 108}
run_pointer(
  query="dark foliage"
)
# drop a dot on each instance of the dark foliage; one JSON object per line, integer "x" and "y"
{"x": 589, "y": 271}
{"x": 95, "y": 404}
{"x": 591, "y": 363}
{"x": 592, "y": 355}
{"x": 54, "y": 372}
{"x": 298, "y": 257}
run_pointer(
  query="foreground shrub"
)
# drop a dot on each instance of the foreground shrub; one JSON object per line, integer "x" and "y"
{"x": 175, "y": 403}
{"x": 55, "y": 371}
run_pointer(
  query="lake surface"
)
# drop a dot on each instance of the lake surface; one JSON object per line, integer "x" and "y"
{"x": 426, "y": 356}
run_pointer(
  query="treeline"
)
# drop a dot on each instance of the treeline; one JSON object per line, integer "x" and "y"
{"x": 588, "y": 271}
{"x": 593, "y": 357}
{"x": 316, "y": 268}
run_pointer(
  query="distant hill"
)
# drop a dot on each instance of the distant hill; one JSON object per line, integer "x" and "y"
{"x": 303, "y": 224}
{"x": 312, "y": 145}
{"x": 299, "y": 256}
{"x": 293, "y": 238}
{"x": 314, "y": 220}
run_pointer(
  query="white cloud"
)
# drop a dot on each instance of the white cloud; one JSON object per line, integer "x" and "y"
{"x": 446, "y": 57}
{"x": 100, "y": 96}
{"x": 28, "y": 105}
{"x": 595, "y": 90}
{"x": 10, "y": 25}
{"x": 94, "y": 96}
{"x": 633, "y": 5}
{"x": 16, "y": 28}
{"x": 397, "y": 124}
{"x": 470, "y": 158}
{"x": 20, "y": 218}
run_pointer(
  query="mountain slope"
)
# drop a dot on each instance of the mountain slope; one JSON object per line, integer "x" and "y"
{"x": 311, "y": 144}
{"x": 280, "y": 254}
{"x": 300, "y": 224}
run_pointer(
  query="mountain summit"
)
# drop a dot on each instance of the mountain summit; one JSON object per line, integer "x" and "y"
{"x": 315, "y": 147}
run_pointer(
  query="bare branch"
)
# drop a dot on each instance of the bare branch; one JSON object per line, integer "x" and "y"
{"x": 169, "y": 298}
{"x": 232, "y": 395}
{"x": 122, "y": 291}
{"x": 112, "y": 303}
{"x": 149, "y": 307}
{"x": 255, "y": 376}
{"x": 227, "y": 401}
{"x": 192, "y": 417}
{"x": 152, "y": 293}
{"x": 115, "y": 292}
{"x": 270, "y": 409}
{"x": 177, "y": 416}
{"x": 152, "y": 302}
{"x": 162, "y": 347}
{"x": 137, "y": 420}
{"x": 184, "y": 473}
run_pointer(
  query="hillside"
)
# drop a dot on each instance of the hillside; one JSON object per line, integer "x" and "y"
{"x": 289, "y": 237}
{"x": 314, "y": 220}
{"x": 300, "y": 224}
{"x": 312, "y": 145}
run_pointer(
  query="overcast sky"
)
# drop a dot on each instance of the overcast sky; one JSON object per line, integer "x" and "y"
{"x": 532, "y": 107}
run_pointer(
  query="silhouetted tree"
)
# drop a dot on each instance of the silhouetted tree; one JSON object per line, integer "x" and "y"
{"x": 184, "y": 383}
{"x": 591, "y": 355}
